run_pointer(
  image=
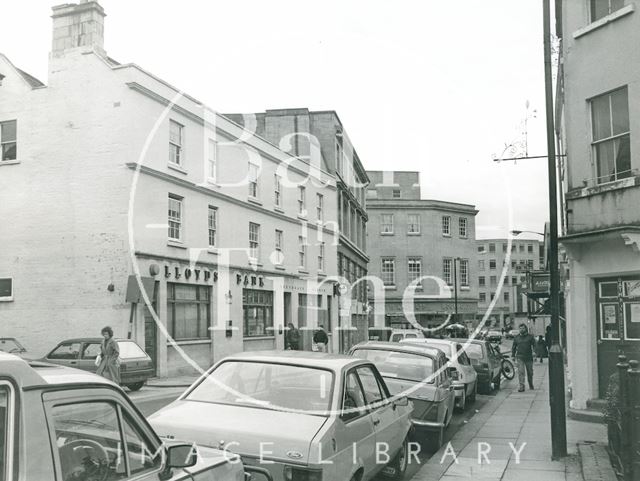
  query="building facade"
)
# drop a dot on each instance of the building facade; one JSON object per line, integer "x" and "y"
{"x": 145, "y": 210}
{"x": 426, "y": 244}
{"x": 320, "y": 138}
{"x": 497, "y": 262}
{"x": 598, "y": 114}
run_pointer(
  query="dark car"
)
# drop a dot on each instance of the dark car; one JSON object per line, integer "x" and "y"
{"x": 12, "y": 346}
{"x": 135, "y": 364}
{"x": 485, "y": 361}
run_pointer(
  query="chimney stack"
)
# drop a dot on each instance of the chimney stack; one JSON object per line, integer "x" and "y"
{"x": 78, "y": 25}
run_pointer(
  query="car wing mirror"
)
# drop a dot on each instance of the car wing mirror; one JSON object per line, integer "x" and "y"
{"x": 182, "y": 455}
{"x": 402, "y": 401}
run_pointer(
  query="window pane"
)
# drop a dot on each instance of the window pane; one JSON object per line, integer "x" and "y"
{"x": 4, "y": 453}
{"x": 97, "y": 422}
{"x": 599, "y": 9}
{"x": 370, "y": 385}
{"x": 623, "y": 157}
{"x": 141, "y": 456}
{"x": 605, "y": 161}
{"x": 8, "y": 131}
{"x": 10, "y": 151}
{"x": 620, "y": 111}
{"x": 601, "y": 117}
{"x": 66, "y": 351}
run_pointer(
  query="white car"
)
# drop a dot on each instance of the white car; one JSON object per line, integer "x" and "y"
{"x": 466, "y": 384}
{"x": 301, "y": 415}
{"x": 398, "y": 335}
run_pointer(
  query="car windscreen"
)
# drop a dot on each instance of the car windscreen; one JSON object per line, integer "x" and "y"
{"x": 267, "y": 385}
{"x": 474, "y": 351}
{"x": 399, "y": 365}
{"x": 130, "y": 350}
{"x": 10, "y": 345}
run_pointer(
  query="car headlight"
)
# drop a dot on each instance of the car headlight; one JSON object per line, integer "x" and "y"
{"x": 295, "y": 473}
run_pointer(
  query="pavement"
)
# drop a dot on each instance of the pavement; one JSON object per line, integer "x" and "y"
{"x": 178, "y": 381}
{"x": 520, "y": 422}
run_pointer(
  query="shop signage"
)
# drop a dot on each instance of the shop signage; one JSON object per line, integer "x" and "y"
{"x": 188, "y": 274}
{"x": 539, "y": 284}
{"x": 247, "y": 280}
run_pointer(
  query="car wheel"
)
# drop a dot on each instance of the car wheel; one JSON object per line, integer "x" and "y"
{"x": 400, "y": 462}
{"x": 462, "y": 403}
{"x": 497, "y": 381}
{"x": 472, "y": 397}
{"x": 136, "y": 386}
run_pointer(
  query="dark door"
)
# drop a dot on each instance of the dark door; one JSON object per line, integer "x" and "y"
{"x": 618, "y": 325}
{"x": 151, "y": 331}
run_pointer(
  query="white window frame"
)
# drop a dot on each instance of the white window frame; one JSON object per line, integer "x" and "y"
{"x": 388, "y": 271}
{"x": 482, "y": 297}
{"x": 302, "y": 252}
{"x": 8, "y": 142}
{"x": 446, "y": 225}
{"x": 212, "y": 223}
{"x": 212, "y": 161}
{"x": 464, "y": 272}
{"x": 412, "y": 272}
{"x": 396, "y": 191}
{"x": 177, "y": 221}
{"x": 463, "y": 230}
{"x": 254, "y": 241}
{"x": 447, "y": 270}
{"x": 302, "y": 201}
{"x": 177, "y": 143}
{"x": 252, "y": 176}
{"x": 10, "y": 296}
{"x": 386, "y": 228}
{"x": 415, "y": 225}
{"x": 320, "y": 207}
{"x": 482, "y": 281}
{"x": 279, "y": 244}
{"x": 610, "y": 10}
{"x": 321, "y": 256}
{"x": 481, "y": 265}
{"x": 277, "y": 190}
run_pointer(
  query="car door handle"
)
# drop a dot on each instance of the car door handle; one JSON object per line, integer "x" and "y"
{"x": 73, "y": 362}
{"x": 376, "y": 422}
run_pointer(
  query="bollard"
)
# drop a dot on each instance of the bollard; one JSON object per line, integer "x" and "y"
{"x": 624, "y": 416}
{"x": 633, "y": 394}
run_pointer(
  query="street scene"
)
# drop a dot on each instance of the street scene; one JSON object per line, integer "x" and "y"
{"x": 341, "y": 241}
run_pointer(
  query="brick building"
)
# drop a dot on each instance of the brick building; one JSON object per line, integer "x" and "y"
{"x": 410, "y": 237}
{"x": 108, "y": 172}
{"x": 320, "y": 137}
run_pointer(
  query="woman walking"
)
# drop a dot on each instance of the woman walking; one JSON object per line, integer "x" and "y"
{"x": 109, "y": 365}
{"x": 541, "y": 348}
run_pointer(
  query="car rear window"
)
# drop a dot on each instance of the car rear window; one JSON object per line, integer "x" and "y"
{"x": 399, "y": 365}
{"x": 129, "y": 350}
{"x": 267, "y": 385}
{"x": 474, "y": 351}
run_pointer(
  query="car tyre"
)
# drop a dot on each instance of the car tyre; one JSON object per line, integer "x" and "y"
{"x": 472, "y": 397}
{"x": 135, "y": 386}
{"x": 401, "y": 461}
{"x": 462, "y": 405}
{"x": 497, "y": 381}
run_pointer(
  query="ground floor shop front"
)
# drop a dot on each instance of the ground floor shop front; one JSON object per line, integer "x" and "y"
{"x": 429, "y": 313}
{"x": 603, "y": 310}
{"x": 197, "y": 313}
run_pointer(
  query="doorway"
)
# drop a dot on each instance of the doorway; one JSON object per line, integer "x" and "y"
{"x": 151, "y": 330}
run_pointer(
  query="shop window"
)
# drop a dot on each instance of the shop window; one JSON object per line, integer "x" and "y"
{"x": 258, "y": 312}
{"x": 188, "y": 311}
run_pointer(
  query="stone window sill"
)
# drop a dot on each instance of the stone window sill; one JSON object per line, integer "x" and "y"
{"x": 601, "y": 22}
{"x": 9, "y": 162}
{"x": 177, "y": 168}
{"x": 178, "y": 244}
{"x": 603, "y": 188}
{"x": 254, "y": 200}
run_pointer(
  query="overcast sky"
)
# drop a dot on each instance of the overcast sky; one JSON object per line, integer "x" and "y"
{"x": 426, "y": 85}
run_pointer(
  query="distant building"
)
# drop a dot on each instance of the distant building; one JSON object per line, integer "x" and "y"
{"x": 410, "y": 237}
{"x": 511, "y": 305}
{"x": 598, "y": 119}
{"x": 107, "y": 171}
{"x": 320, "y": 137}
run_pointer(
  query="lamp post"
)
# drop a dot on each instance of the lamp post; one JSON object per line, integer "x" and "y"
{"x": 556, "y": 361}
{"x": 455, "y": 289}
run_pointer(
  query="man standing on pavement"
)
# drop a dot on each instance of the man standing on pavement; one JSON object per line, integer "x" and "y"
{"x": 522, "y": 350}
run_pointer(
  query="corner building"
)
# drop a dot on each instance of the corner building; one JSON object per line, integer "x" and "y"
{"x": 114, "y": 174}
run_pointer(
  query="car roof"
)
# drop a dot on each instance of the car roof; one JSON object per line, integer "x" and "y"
{"x": 481, "y": 342}
{"x": 408, "y": 347}
{"x": 334, "y": 362}
{"x": 37, "y": 373}
{"x": 93, "y": 339}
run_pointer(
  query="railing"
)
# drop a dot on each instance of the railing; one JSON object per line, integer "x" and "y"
{"x": 623, "y": 419}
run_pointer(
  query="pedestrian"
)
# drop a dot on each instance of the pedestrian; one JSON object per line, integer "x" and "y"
{"x": 320, "y": 339}
{"x": 109, "y": 364}
{"x": 547, "y": 337}
{"x": 541, "y": 348}
{"x": 292, "y": 338}
{"x": 522, "y": 351}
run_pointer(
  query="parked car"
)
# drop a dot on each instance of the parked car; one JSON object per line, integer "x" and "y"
{"x": 420, "y": 372}
{"x": 465, "y": 379}
{"x": 135, "y": 365}
{"x": 11, "y": 345}
{"x": 302, "y": 415}
{"x": 66, "y": 424}
{"x": 494, "y": 336}
{"x": 398, "y": 335}
{"x": 485, "y": 362}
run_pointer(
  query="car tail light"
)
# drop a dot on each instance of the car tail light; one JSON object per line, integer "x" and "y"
{"x": 295, "y": 473}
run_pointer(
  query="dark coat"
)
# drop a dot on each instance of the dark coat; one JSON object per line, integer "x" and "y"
{"x": 110, "y": 360}
{"x": 293, "y": 338}
{"x": 541, "y": 349}
{"x": 320, "y": 336}
{"x": 523, "y": 347}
